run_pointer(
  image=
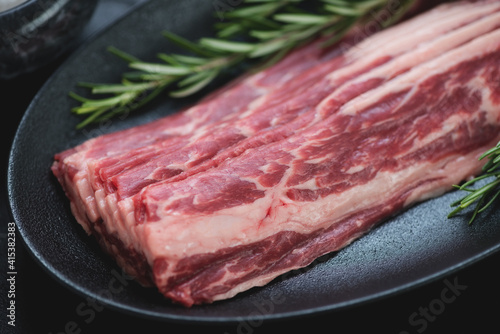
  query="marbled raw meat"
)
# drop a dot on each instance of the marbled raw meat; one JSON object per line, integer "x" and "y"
{"x": 299, "y": 171}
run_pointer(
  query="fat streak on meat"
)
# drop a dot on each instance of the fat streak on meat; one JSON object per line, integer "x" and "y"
{"x": 281, "y": 167}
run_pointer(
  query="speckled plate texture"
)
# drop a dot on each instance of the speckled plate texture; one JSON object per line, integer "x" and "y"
{"x": 413, "y": 248}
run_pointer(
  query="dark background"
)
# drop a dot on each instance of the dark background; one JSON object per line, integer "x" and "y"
{"x": 43, "y": 305}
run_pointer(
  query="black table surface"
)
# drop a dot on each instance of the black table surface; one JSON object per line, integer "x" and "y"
{"x": 43, "y": 305}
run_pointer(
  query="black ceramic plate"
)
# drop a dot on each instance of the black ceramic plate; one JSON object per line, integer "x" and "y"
{"x": 414, "y": 248}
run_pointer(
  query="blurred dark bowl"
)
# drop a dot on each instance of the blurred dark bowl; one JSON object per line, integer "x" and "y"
{"x": 36, "y": 32}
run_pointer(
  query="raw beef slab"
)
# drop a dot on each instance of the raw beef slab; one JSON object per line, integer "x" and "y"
{"x": 281, "y": 167}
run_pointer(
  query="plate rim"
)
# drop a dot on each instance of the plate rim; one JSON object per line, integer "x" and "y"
{"x": 83, "y": 292}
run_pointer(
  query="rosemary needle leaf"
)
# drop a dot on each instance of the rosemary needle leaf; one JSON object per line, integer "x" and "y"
{"x": 285, "y": 1}
{"x": 345, "y": 11}
{"x": 264, "y": 34}
{"x": 161, "y": 69}
{"x": 121, "y": 54}
{"x": 471, "y": 182}
{"x": 106, "y": 102}
{"x": 230, "y": 31}
{"x": 489, "y": 192}
{"x": 339, "y": 3}
{"x": 369, "y": 4}
{"x": 169, "y": 59}
{"x": 197, "y": 86}
{"x": 77, "y": 97}
{"x": 190, "y": 60}
{"x": 493, "y": 199}
{"x": 472, "y": 197}
{"x": 120, "y": 88}
{"x": 196, "y": 77}
{"x": 81, "y": 110}
{"x": 255, "y": 10}
{"x": 275, "y": 58}
{"x": 302, "y": 18}
{"x": 261, "y": 22}
{"x": 187, "y": 44}
{"x": 95, "y": 115}
{"x": 136, "y": 75}
{"x": 491, "y": 151}
{"x": 268, "y": 48}
{"x": 156, "y": 78}
{"x": 226, "y": 46}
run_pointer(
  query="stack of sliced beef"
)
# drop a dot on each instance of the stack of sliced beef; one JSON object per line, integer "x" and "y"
{"x": 280, "y": 167}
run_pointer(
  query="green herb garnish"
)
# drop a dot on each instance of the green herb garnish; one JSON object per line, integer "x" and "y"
{"x": 485, "y": 195}
{"x": 257, "y": 29}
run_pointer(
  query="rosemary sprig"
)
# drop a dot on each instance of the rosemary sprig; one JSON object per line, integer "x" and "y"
{"x": 258, "y": 29}
{"x": 485, "y": 195}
